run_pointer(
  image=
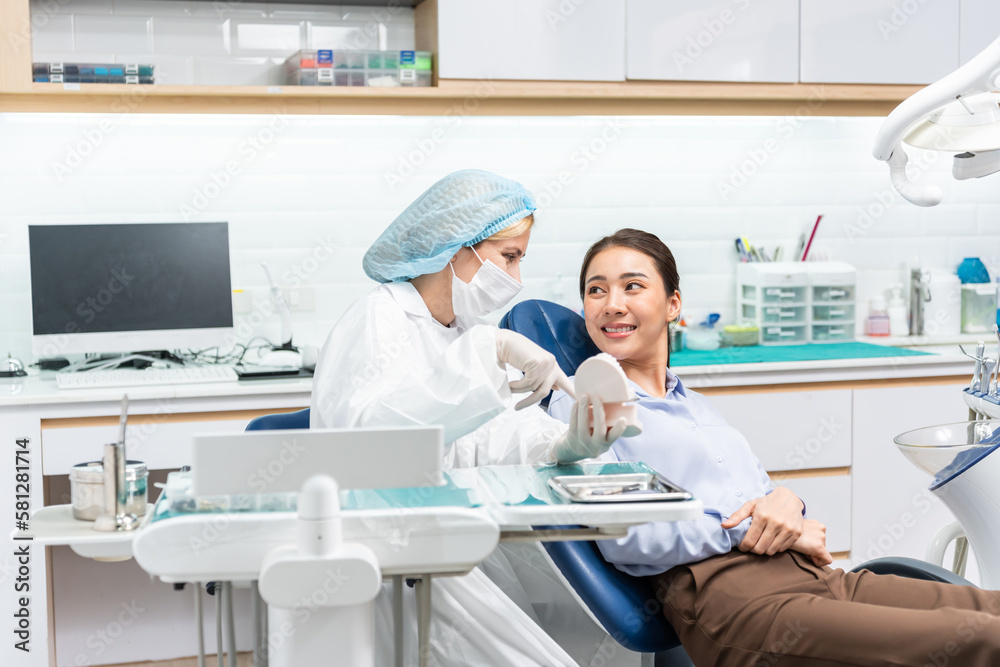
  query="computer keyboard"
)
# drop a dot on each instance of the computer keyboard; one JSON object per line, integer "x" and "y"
{"x": 130, "y": 377}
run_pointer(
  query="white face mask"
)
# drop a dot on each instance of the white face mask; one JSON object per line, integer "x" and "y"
{"x": 490, "y": 289}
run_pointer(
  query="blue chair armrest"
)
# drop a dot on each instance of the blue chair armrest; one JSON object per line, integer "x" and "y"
{"x": 912, "y": 569}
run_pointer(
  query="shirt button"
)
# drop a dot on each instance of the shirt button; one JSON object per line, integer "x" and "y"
{"x": 719, "y": 459}
{"x": 739, "y": 494}
{"x": 692, "y": 425}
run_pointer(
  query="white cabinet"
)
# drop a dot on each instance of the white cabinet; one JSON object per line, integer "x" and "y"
{"x": 564, "y": 40}
{"x": 980, "y": 25}
{"x": 719, "y": 40}
{"x": 894, "y": 512}
{"x": 827, "y": 500}
{"x": 879, "y": 41}
{"x": 794, "y": 430}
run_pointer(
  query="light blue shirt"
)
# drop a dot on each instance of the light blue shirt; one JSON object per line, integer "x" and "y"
{"x": 686, "y": 440}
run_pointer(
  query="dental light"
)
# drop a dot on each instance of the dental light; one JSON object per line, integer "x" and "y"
{"x": 959, "y": 114}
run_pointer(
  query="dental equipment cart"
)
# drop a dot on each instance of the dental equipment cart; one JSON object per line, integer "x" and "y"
{"x": 417, "y": 532}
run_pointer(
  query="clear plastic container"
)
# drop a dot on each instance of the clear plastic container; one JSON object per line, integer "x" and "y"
{"x": 783, "y": 294}
{"x": 783, "y": 335}
{"x": 935, "y": 449}
{"x": 827, "y": 313}
{"x": 832, "y": 333}
{"x": 832, "y": 293}
{"x": 979, "y": 307}
{"x": 783, "y": 314}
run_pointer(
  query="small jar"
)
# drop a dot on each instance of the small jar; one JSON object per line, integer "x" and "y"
{"x": 87, "y": 489}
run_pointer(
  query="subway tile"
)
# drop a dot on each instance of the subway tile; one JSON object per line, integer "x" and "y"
{"x": 154, "y": 8}
{"x": 91, "y": 7}
{"x": 228, "y": 9}
{"x": 54, "y": 34}
{"x": 242, "y": 71}
{"x": 282, "y": 38}
{"x": 284, "y": 11}
{"x": 119, "y": 33}
{"x": 989, "y": 219}
{"x": 189, "y": 36}
{"x": 321, "y": 35}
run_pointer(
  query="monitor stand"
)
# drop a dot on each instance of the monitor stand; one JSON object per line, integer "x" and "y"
{"x": 101, "y": 363}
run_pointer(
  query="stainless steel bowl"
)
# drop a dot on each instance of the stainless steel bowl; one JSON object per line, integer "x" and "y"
{"x": 86, "y": 482}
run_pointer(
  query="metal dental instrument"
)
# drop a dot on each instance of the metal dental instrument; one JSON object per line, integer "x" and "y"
{"x": 994, "y": 389}
{"x": 116, "y": 517}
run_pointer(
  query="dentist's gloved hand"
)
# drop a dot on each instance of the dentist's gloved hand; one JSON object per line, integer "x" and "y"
{"x": 579, "y": 442}
{"x": 541, "y": 372}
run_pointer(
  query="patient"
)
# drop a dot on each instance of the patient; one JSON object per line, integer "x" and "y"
{"x": 748, "y": 583}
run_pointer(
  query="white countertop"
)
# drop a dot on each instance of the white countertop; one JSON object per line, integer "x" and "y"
{"x": 40, "y": 388}
{"x": 945, "y": 360}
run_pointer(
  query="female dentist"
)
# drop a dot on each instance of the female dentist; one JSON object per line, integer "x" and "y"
{"x": 413, "y": 352}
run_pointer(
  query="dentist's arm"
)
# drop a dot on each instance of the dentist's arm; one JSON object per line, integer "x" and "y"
{"x": 541, "y": 371}
{"x": 580, "y": 441}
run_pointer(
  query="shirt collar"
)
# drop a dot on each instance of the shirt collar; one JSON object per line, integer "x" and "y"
{"x": 674, "y": 386}
{"x": 409, "y": 299}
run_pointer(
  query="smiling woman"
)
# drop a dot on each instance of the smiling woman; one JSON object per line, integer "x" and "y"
{"x": 624, "y": 315}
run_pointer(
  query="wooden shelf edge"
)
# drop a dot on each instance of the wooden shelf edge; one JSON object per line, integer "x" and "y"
{"x": 473, "y": 98}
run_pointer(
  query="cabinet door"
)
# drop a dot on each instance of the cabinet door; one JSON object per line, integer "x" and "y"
{"x": 828, "y": 500}
{"x": 532, "y": 39}
{"x": 894, "y": 513}
{"x": 878, "y": 41}
{"x": 795, "y": 430}
{"x": 719, "y": 40}
{"x": 979, "y": 27}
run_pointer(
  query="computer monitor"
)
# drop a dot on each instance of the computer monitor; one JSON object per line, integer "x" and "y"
{"x": 99, "y": 288}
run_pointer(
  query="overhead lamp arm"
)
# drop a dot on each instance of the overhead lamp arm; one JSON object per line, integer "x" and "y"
{"x": 976, "y": 76}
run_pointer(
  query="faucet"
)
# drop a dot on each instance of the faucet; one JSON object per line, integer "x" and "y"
{"x": 920, "y": 292}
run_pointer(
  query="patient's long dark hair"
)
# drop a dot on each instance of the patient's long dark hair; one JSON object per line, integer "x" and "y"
{"x": 649, "y": 245}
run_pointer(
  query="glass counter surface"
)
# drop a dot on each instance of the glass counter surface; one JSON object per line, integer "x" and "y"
{"x": 508, "y": 486}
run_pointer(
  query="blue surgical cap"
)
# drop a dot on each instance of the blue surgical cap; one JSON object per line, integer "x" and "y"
{"x": 461, "y": 209}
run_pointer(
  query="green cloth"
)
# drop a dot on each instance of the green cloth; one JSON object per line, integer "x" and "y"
{"x": 751, "y": 354}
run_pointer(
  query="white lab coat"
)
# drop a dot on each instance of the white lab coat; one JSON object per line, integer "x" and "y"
{"x": 388, "y": 362}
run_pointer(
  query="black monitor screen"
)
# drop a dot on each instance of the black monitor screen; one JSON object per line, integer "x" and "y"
{"x": 129, "y": 277}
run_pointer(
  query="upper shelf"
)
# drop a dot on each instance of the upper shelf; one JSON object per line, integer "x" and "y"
{"x": 472, "y": 98}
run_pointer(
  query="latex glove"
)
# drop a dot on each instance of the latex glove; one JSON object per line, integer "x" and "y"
{"x": 579, "y": 441}
{"x": 541, "y": 372}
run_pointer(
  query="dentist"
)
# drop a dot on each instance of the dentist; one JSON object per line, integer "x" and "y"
{"x": 414, "y": 352}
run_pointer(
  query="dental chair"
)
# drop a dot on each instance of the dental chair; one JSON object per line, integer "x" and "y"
{"x": 626, "y": 606}
{"x": 280, "y": 421}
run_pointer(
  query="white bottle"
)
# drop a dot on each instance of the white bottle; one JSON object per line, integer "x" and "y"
{"x": 899, "y": 322}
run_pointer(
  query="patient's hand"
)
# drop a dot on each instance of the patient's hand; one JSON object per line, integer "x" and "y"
{"x": 777, "y": 522}
{"x": 812, "y": 543}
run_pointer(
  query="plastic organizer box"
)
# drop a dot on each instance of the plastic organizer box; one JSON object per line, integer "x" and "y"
{"x": 798, "y": 302}
{"x": 327, "y": 67}
{"x": 91, "y": 73}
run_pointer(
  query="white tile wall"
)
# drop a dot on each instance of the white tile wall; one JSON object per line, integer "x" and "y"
{"x": 207, "y": 42}
{"x": 338, "y": 180}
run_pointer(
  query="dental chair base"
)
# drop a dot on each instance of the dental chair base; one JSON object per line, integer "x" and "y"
{"x": 320, "y": 592}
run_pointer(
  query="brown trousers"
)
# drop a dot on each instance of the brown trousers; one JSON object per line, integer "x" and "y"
{"x": 757, "y": 611}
